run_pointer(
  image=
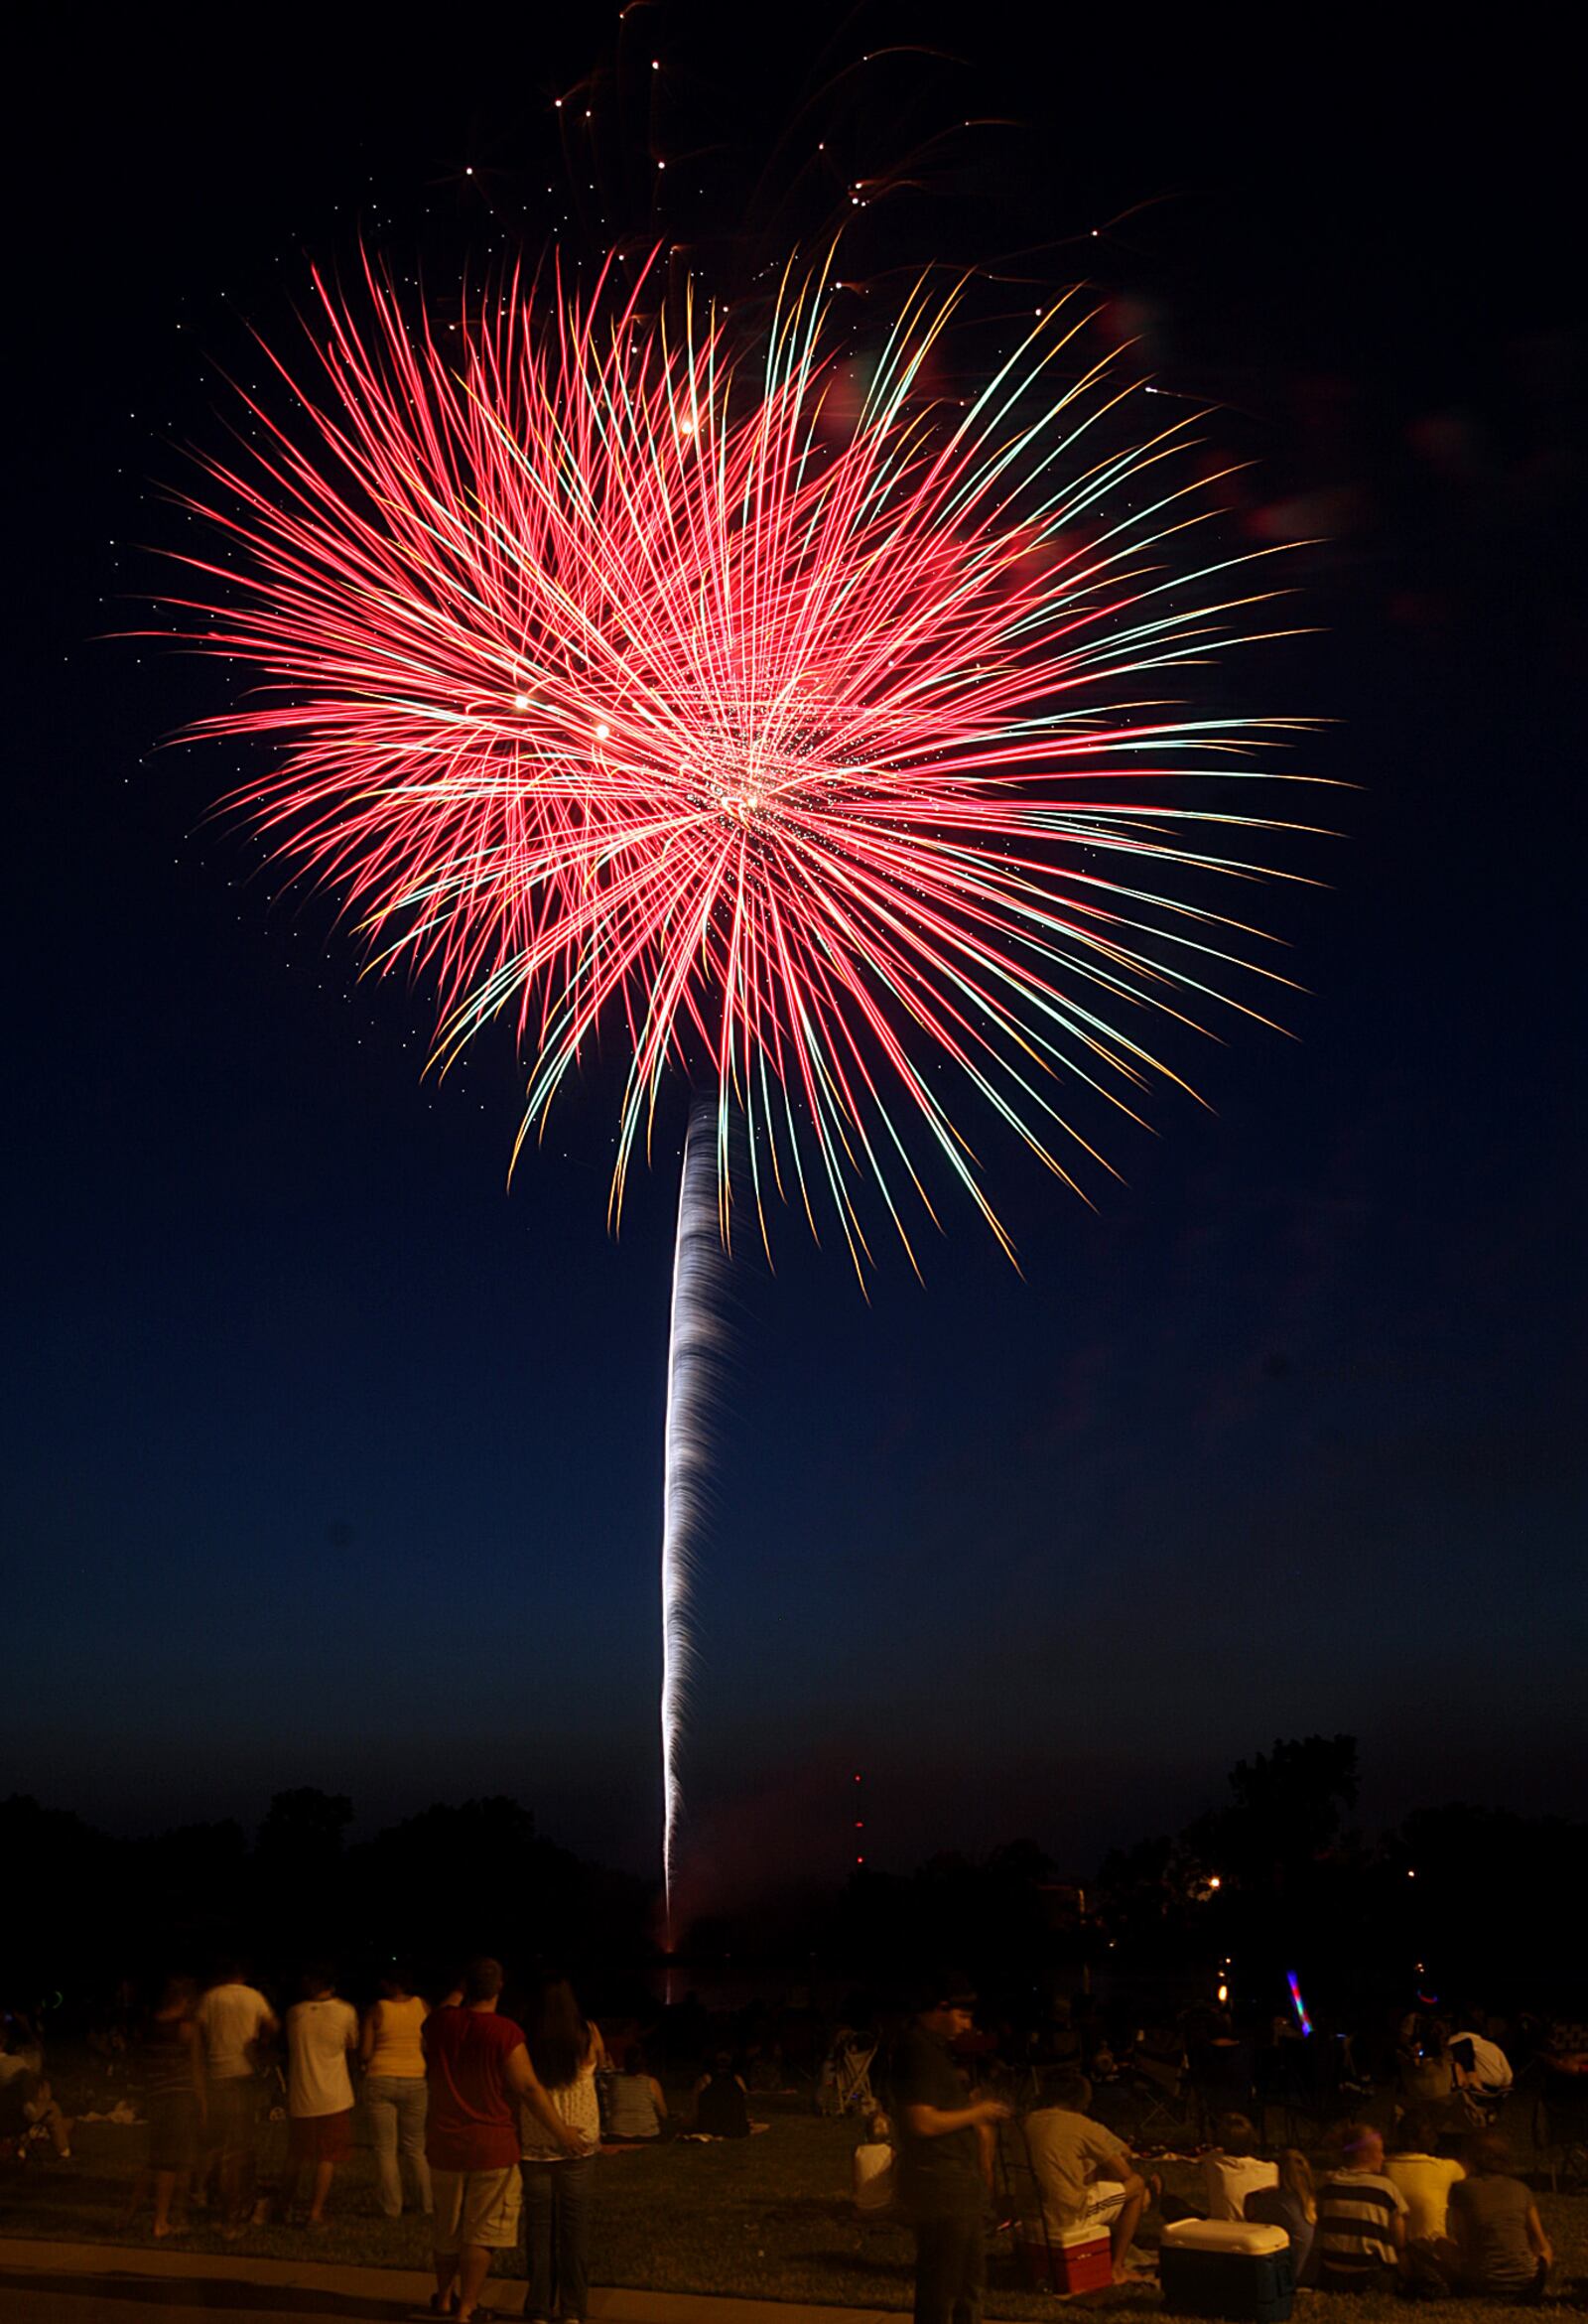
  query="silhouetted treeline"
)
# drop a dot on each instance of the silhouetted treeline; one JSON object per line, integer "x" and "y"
{"x": 1475, "y": 1905}
{"x": 433, "y": 1888}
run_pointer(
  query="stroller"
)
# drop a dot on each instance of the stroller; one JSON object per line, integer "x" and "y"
{"x": 844, "y": 2086}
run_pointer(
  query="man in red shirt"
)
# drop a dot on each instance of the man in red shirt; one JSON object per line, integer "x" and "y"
{"x": 478, "y": 2069}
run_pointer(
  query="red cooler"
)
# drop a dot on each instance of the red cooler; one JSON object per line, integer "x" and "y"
{"x": 1080, "y": 2260}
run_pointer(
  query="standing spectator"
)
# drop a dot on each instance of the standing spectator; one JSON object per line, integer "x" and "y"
{"x": 234, "y": 2018}
{"x": 1083, "y": 2174}
{"x": 1230, "y": 2171}
{"x": 1361, "y": 2219}
{"x": 1504, "y": 2253}
{"x": 567, "y": 2052}
{"x": 174, "y": 2087}
{"x": 478, "y": 2068}
{"x": 393, "y": 2060}
{"x": 946, "y": 2158}
{"x": 321, "y": 2032}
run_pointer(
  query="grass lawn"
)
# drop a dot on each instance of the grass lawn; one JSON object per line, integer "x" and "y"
{"x": 768, "y": 2219}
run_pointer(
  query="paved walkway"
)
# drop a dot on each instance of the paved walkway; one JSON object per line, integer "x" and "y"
{"x": 107, "y": 2284}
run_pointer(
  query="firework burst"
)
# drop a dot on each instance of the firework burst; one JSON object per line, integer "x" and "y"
{"x": 820, "y": 739}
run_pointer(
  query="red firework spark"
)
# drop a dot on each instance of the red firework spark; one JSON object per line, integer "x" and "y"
{"x": 615, "y": 687}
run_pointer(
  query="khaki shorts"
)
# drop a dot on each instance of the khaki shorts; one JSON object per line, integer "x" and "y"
{"x": 476, "y": 2207}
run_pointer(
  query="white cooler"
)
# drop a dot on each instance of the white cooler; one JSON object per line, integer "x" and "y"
{"x": 1226, "y": 2267}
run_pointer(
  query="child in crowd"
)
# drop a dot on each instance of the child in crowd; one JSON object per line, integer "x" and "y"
{"x": 1290, "y": 2203}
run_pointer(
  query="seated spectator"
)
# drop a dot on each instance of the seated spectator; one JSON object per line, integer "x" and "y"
{"x": 1426, "y": 2079}
{"x": 1082, "y": 2172}
{"x": 1423, "y": 2178}
{"x": 1063, "y": 2043}
{"x": 1290, "y": 2203}
{"x": 632, "y": 2102}
{"x": 874, "y": 2181}
{"x": 1159, "y": 2055}
{"x": 1361, "y": 2219}
{"x": 27, "y": 2101}
{"x": 722, "y": 2103}
{"x": 1230, "y": 2171}
{"x": 1430, "y": 2264}
{"x": 1482, "y": 2073}
{"x": 1504, "y": 2253}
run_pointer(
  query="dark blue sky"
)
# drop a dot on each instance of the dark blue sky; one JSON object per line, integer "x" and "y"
{"x": 332, "y": 1461}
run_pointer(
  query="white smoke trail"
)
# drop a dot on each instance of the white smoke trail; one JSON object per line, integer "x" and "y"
{"x": 695, "y": 1355}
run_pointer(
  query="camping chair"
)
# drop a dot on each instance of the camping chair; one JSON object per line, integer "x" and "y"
{"x": 1166, "y": 2114}
{"x": 845, "y": 2083}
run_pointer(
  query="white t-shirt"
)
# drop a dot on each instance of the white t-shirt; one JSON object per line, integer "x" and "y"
{"x": 319, "y": 2037}
{"x": 1228, "y": 2179}
{"x": 228, "y": 2018}
{"x": 1491, "y": 2068}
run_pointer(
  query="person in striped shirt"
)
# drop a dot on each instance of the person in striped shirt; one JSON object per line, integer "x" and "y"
{"x": 1361, "y": 2219}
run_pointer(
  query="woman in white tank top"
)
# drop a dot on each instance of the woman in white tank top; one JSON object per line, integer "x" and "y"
{"x": 567, "y": 2052}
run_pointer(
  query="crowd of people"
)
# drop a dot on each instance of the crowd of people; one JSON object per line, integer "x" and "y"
{"x": 1435, "y": 2210}
{"x": 484, "y": 2126}
{"x": 486, "y": 2120}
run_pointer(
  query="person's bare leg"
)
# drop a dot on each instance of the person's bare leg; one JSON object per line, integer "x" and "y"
{"x": 165, "y": 2188}
{"x": 474, "y": 2265}
{"x": 325, "y": 2172}
{"x": 1121, "y": 2235}
{"x": 135, "y": 2199}
{"x": 446, "y": 2278}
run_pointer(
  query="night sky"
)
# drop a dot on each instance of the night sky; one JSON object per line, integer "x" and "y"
{"x": 333, "y": 1460}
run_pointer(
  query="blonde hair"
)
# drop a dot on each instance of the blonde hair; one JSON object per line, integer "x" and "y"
{"x": 1296, "y": 2176}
